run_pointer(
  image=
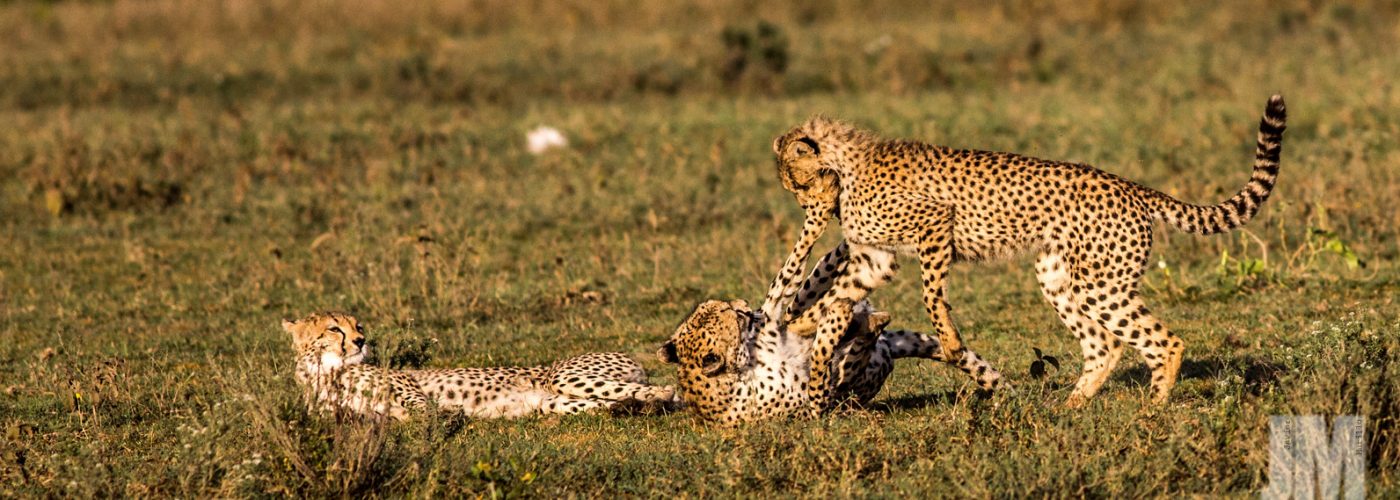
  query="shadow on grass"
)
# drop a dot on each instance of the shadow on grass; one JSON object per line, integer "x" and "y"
{"x": 914, "y": 402}
{"x": 1259, "y": 374}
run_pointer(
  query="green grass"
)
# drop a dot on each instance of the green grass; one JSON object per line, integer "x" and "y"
{"x": 178, "y": 177}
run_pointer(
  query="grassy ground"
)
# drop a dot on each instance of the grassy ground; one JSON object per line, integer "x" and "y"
{"x": 179, "y": 176}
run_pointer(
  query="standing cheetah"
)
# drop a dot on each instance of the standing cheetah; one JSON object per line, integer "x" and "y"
{"x": 331, "y": 349}
{"x": 736, "y": 365}
{"x": 1091, "y": 229}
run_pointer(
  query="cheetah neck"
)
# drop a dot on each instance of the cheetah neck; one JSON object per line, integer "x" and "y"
{"x": 844, "y": 147}
{"x": 315, "y": 368}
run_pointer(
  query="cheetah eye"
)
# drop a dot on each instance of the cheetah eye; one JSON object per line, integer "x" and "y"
{"x": 711, "y": 364}
{"x": 360, "y": 328}
{"x": 336, "y": 329}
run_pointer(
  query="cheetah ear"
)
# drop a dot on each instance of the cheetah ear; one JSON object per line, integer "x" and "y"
{"x": 804, "y": 146}
{"x": 778, "y": 144}
{"x": 299, "y": 335}
{"x": 667, "y": 353}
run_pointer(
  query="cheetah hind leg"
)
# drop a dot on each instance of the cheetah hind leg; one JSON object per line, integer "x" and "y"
{"x": 1100, "y": 348}
{"x": 866, "y": 268}
{"x": 911, "y": 344}
{"x": 1130, "y": 321}
{"x": 833, "y": 325}
{"x": 565, "y": 405}
{"x": 616, "y": 390}
{"x": 861, "y": 365}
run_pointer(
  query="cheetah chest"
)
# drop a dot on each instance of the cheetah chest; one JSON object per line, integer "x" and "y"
{"x": 774, "y": 385}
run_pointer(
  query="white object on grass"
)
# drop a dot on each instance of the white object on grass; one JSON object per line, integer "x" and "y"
{"x": 544, "y": 138}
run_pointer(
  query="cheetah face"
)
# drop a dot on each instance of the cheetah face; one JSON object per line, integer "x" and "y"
{"x": 711, "y": 341}
{"x": 336, "y": 339}
{"x": 803, "y": 171}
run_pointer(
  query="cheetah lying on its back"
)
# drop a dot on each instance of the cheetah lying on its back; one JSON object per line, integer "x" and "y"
{"x": 330, "y": 353}
{"x": 1092, "y": 230}
{"x": 737, "y": 365}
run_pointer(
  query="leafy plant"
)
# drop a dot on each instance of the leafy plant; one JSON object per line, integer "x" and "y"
{"x": 1041, "y": 360}
{"x": 1325, "y": 242}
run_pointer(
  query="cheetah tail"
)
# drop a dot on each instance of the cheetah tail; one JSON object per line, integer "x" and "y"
{"x": 1241, "y": 207}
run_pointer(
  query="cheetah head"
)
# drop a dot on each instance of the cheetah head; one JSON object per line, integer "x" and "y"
{"x": 332, "y": 339}
{"x": 807, "y": 158}
{"x": 801, "y": 170}
{"x": 711, "y": 341}
{"x": 711, "y": 351}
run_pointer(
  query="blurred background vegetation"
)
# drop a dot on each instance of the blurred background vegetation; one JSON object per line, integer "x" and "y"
{"x": 177, "y": 176}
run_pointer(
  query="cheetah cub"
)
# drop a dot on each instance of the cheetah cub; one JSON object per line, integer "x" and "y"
{"x": 331, "y": 350}
{"x": 737, "y": 365}
{"x": 1092, "y": 231}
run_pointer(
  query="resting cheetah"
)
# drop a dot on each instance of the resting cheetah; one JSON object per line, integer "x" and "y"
{"x": 331, "y": 349}
{"x": 738, "y": 365}
{"x": 581, "y": 383}
{"x": 1092, "y": 230}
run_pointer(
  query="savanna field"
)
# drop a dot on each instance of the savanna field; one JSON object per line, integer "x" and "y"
{"x": 177, "y": 177}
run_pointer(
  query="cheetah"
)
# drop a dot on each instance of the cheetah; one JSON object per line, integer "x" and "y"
{"x": 331, "y": 350}
{"x": 583, "y": 383}
{"x": 1092, "y": 231}
{"x": 738, "y": 365}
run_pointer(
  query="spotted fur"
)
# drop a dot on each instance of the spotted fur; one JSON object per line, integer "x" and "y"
{"x": 1091, "y": 229}
{"x": 331, "y": 348}
{"x": 738, "y": 365}
{"x": 586, "y": 382}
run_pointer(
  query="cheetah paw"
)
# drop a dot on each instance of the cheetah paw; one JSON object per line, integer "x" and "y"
{"x": 662, "y": 393}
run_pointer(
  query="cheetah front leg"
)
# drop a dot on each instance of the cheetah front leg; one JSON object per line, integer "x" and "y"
{"x": 786, "y": 283}
{"x": 867, "y": 268}
{"x": 935, "y": 258}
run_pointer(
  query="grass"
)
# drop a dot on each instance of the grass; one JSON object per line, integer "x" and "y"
{"x": 179, "y": 177}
